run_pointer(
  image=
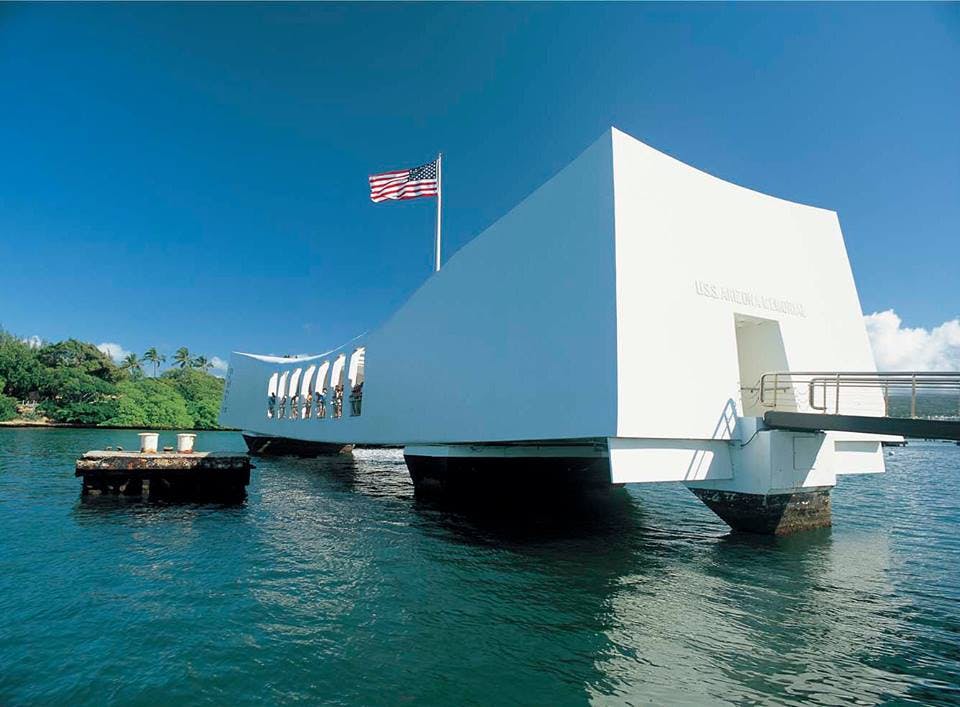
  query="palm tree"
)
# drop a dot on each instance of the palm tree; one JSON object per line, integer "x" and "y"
{"x": 182, "y": 357}
{"x": 131, "y": 364}
{"x": 202, "y": 363}
{"x": 154, "y": 357}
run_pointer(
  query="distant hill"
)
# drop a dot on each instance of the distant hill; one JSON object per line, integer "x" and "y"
{"x": 928, "y": 405}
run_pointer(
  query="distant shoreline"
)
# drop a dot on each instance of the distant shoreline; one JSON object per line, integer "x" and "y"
{"x": 72, "y": 425}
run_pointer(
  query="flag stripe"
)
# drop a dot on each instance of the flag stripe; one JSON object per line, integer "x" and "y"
{"x": 395, "y": 173}
{"x": 394, "y": 187}
{"x": 387, "y": 183}
{"x": 404, "y": 192}
{"x": 386, "y": 180}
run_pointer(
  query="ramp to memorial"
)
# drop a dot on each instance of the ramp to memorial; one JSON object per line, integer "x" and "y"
{"x": 916, "y": 404}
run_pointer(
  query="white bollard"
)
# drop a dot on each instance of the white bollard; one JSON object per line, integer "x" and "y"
{"x": 185, "y": 443}
{"x": 148, "y": 442}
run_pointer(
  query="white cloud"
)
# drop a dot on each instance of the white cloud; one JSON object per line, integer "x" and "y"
{"x": 114, "y": 351}
{"x": 34, "y": 342}
{"x": 218, "y": 366}
{"x": 900, "y": 348}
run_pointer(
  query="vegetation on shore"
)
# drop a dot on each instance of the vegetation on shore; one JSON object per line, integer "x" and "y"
{"x": 74, "y": 382}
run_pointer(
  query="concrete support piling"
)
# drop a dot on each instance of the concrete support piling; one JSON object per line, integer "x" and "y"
{"x": 770, "y": 514}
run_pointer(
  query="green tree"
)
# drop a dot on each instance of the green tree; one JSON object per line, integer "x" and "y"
{"x": 202, "y": 392}
{"x": 19, "y": 367}
{"x": 131, "y": 364}
{"x": 96, "y": 413}
{"x": 70, "y": 395}
{"x": 80, "y": 355}
{"x": 182, "y": 357}
{"x": 72, "y": 385}
{"x": 149, "y": 402}
{"x": 8, "y": 408}
{"x": 155, "y": 357}
{"x": 202, "y": 363}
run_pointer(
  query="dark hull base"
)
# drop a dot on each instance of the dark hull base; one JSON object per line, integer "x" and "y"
{"x": 263, "y": 446}
{"x": 770, "y": 514}
{"x": 223, "y": 488}
{"x": 469, "y": 478}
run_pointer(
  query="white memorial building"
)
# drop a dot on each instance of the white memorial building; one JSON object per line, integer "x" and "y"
{"x": 612, "y": 328}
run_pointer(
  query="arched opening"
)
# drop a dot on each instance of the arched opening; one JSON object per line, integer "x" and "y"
{"x": 306, "y": 393}
{"x": 282, "y": 392}
{"x": 355, "y": 375}
{"x": 336, "y": 381}
{"x": 320, "y": 391}
{"x": 272, "y": 394}
{"x": 295, "y": 393}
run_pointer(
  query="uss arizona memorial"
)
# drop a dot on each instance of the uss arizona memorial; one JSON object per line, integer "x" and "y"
{"x": 633, "y": 320}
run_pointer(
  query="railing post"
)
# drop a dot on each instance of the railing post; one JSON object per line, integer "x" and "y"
{"x": 886, "y": 400}
{"x": 913, "y": 395}
{"x": 776, "y": 386}
{"x": 836, "y": 402}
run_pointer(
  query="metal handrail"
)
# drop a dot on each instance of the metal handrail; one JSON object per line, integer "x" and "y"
{"x": 916, "y": 381}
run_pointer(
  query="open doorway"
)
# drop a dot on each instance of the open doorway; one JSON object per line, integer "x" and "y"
{"x": 760, "y": 350}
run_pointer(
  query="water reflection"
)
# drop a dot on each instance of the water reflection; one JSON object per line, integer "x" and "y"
{"x": 614, "y": 602}
{"x": 680, "y": 617}
{"x": 531, "y": 519}
{"x": 95, "y": 508}
{"x": 806, "y": 618}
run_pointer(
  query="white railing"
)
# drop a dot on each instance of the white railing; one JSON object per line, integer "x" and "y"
{"x": 890, "y": 394}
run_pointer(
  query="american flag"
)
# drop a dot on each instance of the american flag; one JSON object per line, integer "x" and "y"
{"x": 405, "y": 183}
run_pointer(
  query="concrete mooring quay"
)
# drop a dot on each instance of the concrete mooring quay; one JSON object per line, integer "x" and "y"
{"x": 195, "y": 476}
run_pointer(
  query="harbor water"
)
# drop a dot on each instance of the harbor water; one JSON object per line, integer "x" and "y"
{"x": 331, "y": 583}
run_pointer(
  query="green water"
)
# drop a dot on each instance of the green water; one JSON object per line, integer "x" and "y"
{"x": 333, "y": 584}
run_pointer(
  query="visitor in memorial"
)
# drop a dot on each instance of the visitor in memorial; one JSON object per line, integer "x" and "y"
{"x": 356, "y": 395}
{"x": 321, "y": 404}
{"x": 338, "y": 400}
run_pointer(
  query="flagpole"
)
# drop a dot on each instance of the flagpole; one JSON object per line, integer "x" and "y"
{"x": 439, "y": 198}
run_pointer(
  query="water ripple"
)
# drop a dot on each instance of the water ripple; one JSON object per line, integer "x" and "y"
{"x": 333, "y": 583}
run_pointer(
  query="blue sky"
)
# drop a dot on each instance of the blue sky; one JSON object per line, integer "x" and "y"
{"x": 196, "y": 174}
